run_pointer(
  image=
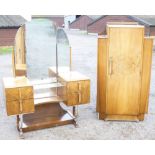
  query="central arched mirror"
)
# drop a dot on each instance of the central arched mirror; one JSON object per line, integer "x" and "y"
{"x": 40, "y": 45}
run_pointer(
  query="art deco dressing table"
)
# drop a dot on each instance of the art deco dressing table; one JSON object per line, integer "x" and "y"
{"x": 43, "y": 78}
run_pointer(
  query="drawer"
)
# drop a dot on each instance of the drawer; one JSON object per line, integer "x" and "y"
{"x": 13, "y": 107}
{"x": 77, "y": 98}
{"x": 78, "y": 86}
{"x": 73, "y": 86}
{"x": 13, "y": 94}
{"x": 26, "y": 93}
{"x": 78, "y": 92}
{"x": 18, "y": 95}
{"x": 72, "y": 99}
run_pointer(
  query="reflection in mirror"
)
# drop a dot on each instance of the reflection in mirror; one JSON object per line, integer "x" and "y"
{"x": 40, "y": 45}
{"x": 63, "y": 50}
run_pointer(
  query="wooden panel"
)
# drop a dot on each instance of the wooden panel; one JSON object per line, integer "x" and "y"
{"x": 27, "y": 106}
{"x": 85, "y": 92}
{"x": 77, "y": 93}
{"x": 101, "y": 79}
{"x": 121, "y": 117}
{"x": 146, "y": 71}
{"x": 12, "y": 107}
{"x": 18, "y": 95}
{"x": 124, "y": 69}
{"x": 72, "y": 99}
{"x": 73, "y": 86}
{"x": 11, "y": 94}
{"x": 26, "y": 92}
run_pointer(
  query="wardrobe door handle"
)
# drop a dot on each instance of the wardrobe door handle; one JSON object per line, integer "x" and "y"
{"x": 79, "y": 86}
{"x": 79, "y": 97}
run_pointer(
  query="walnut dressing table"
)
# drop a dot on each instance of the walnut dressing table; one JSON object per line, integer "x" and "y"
{"x": 37, "y": 91}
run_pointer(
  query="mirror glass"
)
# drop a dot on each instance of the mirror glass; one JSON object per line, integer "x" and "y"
{"x": 40, "y": 46}
{"x": 63, "y": 50}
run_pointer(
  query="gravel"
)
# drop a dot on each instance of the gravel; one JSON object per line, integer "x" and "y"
{"x": 84, "y": 50}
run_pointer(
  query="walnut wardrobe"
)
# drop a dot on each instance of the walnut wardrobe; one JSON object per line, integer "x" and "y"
{"x": 123, "y": 73}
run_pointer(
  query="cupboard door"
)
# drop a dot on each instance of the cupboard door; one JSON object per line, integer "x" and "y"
{"x": 124, "y": 66}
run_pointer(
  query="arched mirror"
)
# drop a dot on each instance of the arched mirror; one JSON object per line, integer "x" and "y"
{"x": 40, "y": 45}
{"x": 63, "y": 51}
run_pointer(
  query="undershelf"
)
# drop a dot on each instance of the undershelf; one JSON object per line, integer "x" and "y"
{"x": 45, "y": 116}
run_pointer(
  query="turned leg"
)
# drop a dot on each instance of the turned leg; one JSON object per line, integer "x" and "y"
{"x": 20, "y": 117}
{"x": 75, "y": 113}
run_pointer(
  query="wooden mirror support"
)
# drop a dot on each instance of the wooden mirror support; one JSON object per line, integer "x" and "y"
{"x": 124, "y": 68}
{"x": 38, "y": 103}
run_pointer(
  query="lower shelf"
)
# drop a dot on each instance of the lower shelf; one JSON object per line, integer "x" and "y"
{"x": 45, "y": 116}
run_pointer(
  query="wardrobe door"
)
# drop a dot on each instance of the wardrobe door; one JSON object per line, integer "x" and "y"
{"x": 124, "y": 65}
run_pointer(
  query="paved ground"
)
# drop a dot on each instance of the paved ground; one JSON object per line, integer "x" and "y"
{"x": 84, "y": 60}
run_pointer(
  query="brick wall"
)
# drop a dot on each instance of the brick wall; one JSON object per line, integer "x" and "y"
{"x": 81, "y": 23}
{"x": 152, "y": 31}
{"x": 7, "y": 37}
{"x": 100, "y": 25}
{"x": 58, "y": 20}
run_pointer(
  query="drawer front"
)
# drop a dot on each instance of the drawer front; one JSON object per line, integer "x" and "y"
{"x": 78, "y": 86}
{"x": 28, "y": 106}
{"x": 13, "y": 94}
{"x": 13, "y": 107}
{"x": 72, "y": 99}
{"x": 85, "y": 92}
{"x": 16, "y": 95}
{"x": 78, "y": 93}
{"x": 26, "y": 93}
{"x": 73, "y": 86}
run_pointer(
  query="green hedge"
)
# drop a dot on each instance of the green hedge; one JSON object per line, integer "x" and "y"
{"x": 5, "y": 50}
